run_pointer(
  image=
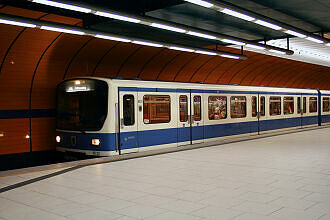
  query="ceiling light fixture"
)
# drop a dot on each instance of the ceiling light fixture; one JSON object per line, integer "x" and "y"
{"x": 237, "y": 14}
{"x": 315, "y": 40}
{"x": 63, "y": 5}
{"x": 232, "y": 42}
{"x": 16, "y": 23}
{"x": 277, "y": 51}
{"x": 169, "y": 28}
{"x": 230, "y": 56}
{"x": 267, "y": 24}
{"x": 255, "y": 47}
{"x": 48, "y": 28}
{"x": 201, "y": 3}
{"x": 181, "y": 49}
{"x": 117, "y": 17}
{"x": 112, "y": 38}
{"x": 147, "y": 43}
{"x": 201, "y": 35}
{"x": 295, "y": 34}
{"x": 205, "y": 52}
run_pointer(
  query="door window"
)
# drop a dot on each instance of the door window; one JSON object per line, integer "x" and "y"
{"x": 128, "y": 110}
{"x": 304, "y": 105}
{"x": 254, "y": 106}
{"x": 262, "y": 106}
{"x": 197, "y": 108}
{"x": 183, "y": 108}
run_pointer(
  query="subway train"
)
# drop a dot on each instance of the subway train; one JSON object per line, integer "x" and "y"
{"x": 102, "y": 116}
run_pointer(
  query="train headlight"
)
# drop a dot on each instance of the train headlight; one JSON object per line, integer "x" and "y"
{"x": 58, "y": 139}
{"x": 96, "y": 142}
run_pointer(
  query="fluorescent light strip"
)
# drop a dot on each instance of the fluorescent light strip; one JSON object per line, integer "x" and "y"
{"x": 267, "y": 24}
{"x": 201, "y": 3}
{"x": 117, "y": 17}
{"x": 237, "y": 14}
{"x": 169, "y": 28}
{"x": 201, "y": 35}
{"x": 328, "y": 44}
{"x": 295, "y": 34}
{"x": 61, "y": 30}
{"x": 314, "y": 40}
{"x": 205, "y": 52}
{"x": 62, "y": 5}
{"x": 233, "y": 42}
{"x": 277, "y": 51}
{"x": 147, "y": 43}
{"x": 255, "y": 46}
{"x": 230, "y": 56}
{"x": 112, "y": 38}
{"x": 16, "y": 23}
{"x": 181, "y": 49}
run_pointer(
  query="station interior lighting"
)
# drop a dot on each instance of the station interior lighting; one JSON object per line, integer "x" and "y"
{"x": 79, "y": 31}
{"x": 267, "y": 24}
{"x": 63, "y": 5}
{"x": 231, "y": 12}
{"x": 237, "y": 14}
{"x": 16, "y": 23}
{"x": 192, "y": 32}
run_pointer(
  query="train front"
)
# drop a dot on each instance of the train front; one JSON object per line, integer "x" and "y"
{"x": 81, "y": 115}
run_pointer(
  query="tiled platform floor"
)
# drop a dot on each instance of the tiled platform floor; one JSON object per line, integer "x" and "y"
{"x": 283, "y": 177}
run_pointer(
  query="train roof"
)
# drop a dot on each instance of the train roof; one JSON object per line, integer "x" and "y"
{"x": 183, "y": 85}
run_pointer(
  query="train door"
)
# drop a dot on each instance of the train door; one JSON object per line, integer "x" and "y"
{"x": 196, "y": 118}
{"x": 300, "y": 109}
{"x": 261, "y": 116}
{"x": 255, "y": 126}
{"x": 128, "y": 138}
{"x": 184, "y": 125}
{"x": 303, "y": 111}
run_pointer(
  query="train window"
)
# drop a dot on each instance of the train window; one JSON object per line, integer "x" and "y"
{"x": 326, "y": 103}
{"x": 299, "y": 105}
{"x": 274, "y": 105}
{"x": 197, "y": 108}
{"x": 217, "y": 107}
{"x": 312, "y": 104}
{"x": 288, "y": 103}
{"x": 183, "y": 108}
{"x": 254, "y": 106}
{"x": 128, "y": 110}
{"x": 262, "y": 106}
{"x": 156, "y": 109}
{"x": 238, "y": 106}
{"x": 304, "y": 105}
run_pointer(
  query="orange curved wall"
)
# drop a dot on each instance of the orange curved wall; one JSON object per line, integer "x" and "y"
{"x": 33, "y": 61}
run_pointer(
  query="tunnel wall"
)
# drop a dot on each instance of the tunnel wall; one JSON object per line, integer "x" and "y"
{"x": 34, "y": 61}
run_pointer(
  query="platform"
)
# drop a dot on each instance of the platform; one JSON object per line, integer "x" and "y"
{"x": 280, "y": 177}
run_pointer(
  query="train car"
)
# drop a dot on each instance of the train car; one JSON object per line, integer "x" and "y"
{"x": 102, "y": 117}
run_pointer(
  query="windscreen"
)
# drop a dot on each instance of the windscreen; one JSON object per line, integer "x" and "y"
{"x": 82, "y": 105}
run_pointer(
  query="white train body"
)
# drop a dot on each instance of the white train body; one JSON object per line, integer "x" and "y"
{"x": 142, "y": 115}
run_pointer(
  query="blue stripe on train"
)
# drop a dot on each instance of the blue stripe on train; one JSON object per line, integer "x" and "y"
{"x": 325, "y": 118}
{"x": 171, "y": 135}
